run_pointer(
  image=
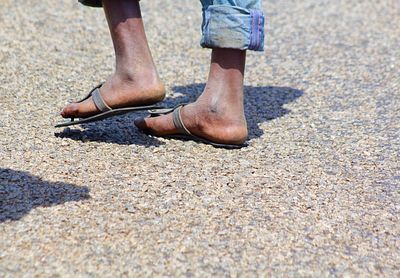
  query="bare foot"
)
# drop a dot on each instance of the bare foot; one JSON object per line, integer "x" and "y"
{"x": 119, "y": 92}
{"x": 217, "y": 123}
{"x": 135, "y": 81}
{"x": 218, "y": 114}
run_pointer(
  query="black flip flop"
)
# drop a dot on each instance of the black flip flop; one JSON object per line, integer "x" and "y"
{"x": 184, "y": 133}
{"x": 105, "y": 110}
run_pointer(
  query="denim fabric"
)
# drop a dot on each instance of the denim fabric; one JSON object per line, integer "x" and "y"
{"x": 237, "y": 24}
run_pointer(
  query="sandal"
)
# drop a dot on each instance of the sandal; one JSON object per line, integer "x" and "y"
{"x": 105, "y": 110}
{"x": 183, "y": 132}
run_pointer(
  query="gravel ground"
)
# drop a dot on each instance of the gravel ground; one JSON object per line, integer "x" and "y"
{"x": 316, "y": 193}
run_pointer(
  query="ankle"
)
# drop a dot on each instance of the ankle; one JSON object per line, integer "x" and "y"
{"x": 206, "y": 115}
{"x": 221, "y": 103}
{"x": 137, "y": 76}
{"x": 135, "y": 63}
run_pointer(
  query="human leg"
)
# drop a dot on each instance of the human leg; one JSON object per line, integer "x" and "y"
{"x": 218, "y": 113}
{"x": 229, "y": 28}
{"x": 135, "y": 80}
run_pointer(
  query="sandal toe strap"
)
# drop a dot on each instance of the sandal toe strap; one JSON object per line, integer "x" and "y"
{"x": 177, "y": 118}
{"x": 99, "y": 101}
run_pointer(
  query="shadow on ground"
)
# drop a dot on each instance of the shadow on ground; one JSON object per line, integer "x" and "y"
{"x": 21, "y": 192}
{"x": 261, "y": 105}
{"x": 116, "y": 130}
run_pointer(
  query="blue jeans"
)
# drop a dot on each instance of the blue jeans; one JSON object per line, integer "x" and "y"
{"x": 237, "y": 24}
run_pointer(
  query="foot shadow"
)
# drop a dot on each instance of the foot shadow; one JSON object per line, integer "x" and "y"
{"x": 116, "y": 130}
{"x": 21, "y": 192}
{"x": 262, "y": 104}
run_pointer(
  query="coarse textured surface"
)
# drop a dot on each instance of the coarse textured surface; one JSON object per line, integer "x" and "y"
{"x": 316, "y": 193}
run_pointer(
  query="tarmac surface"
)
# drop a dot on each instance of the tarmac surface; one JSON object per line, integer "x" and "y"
{"x": 316, "y": 193}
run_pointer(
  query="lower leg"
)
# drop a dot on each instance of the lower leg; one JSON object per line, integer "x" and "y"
{"x": 135, "y": 81}
{"x": 223, "y": 93}
{"x": 132, "y": 53}
{"x": 218, "y": 114}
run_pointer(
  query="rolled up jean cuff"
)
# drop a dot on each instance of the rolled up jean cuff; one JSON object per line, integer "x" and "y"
{"x": 226, "y": 26}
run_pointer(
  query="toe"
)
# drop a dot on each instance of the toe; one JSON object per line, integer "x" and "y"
{"x": 82, "y": 109}
{"x": 162, "y": 125}
{"x": 70, "y": 110}
{"x": 141, "y": 123}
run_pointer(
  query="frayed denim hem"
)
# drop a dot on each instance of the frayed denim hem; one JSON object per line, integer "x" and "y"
{"x": 226, "y": 26}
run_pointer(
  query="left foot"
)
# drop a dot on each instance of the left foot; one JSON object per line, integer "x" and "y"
{"x": 135, "y": 81}
{"x": 120, "y": 92}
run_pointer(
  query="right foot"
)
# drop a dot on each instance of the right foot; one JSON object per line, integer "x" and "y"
{"x": 215, "y": 123}
{"x": 218, "y": 114}
{"x": 120, "y": 92}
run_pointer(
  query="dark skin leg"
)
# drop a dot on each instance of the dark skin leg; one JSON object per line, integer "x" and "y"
{"x": 218, "y": 114}
{"x": 135, "y": 80}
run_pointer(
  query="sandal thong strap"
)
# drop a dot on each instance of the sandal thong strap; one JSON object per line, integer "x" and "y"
{"x": 99, "y": 101}
{"x": 90, "y": 93}
{"x": 177, "y": 118}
